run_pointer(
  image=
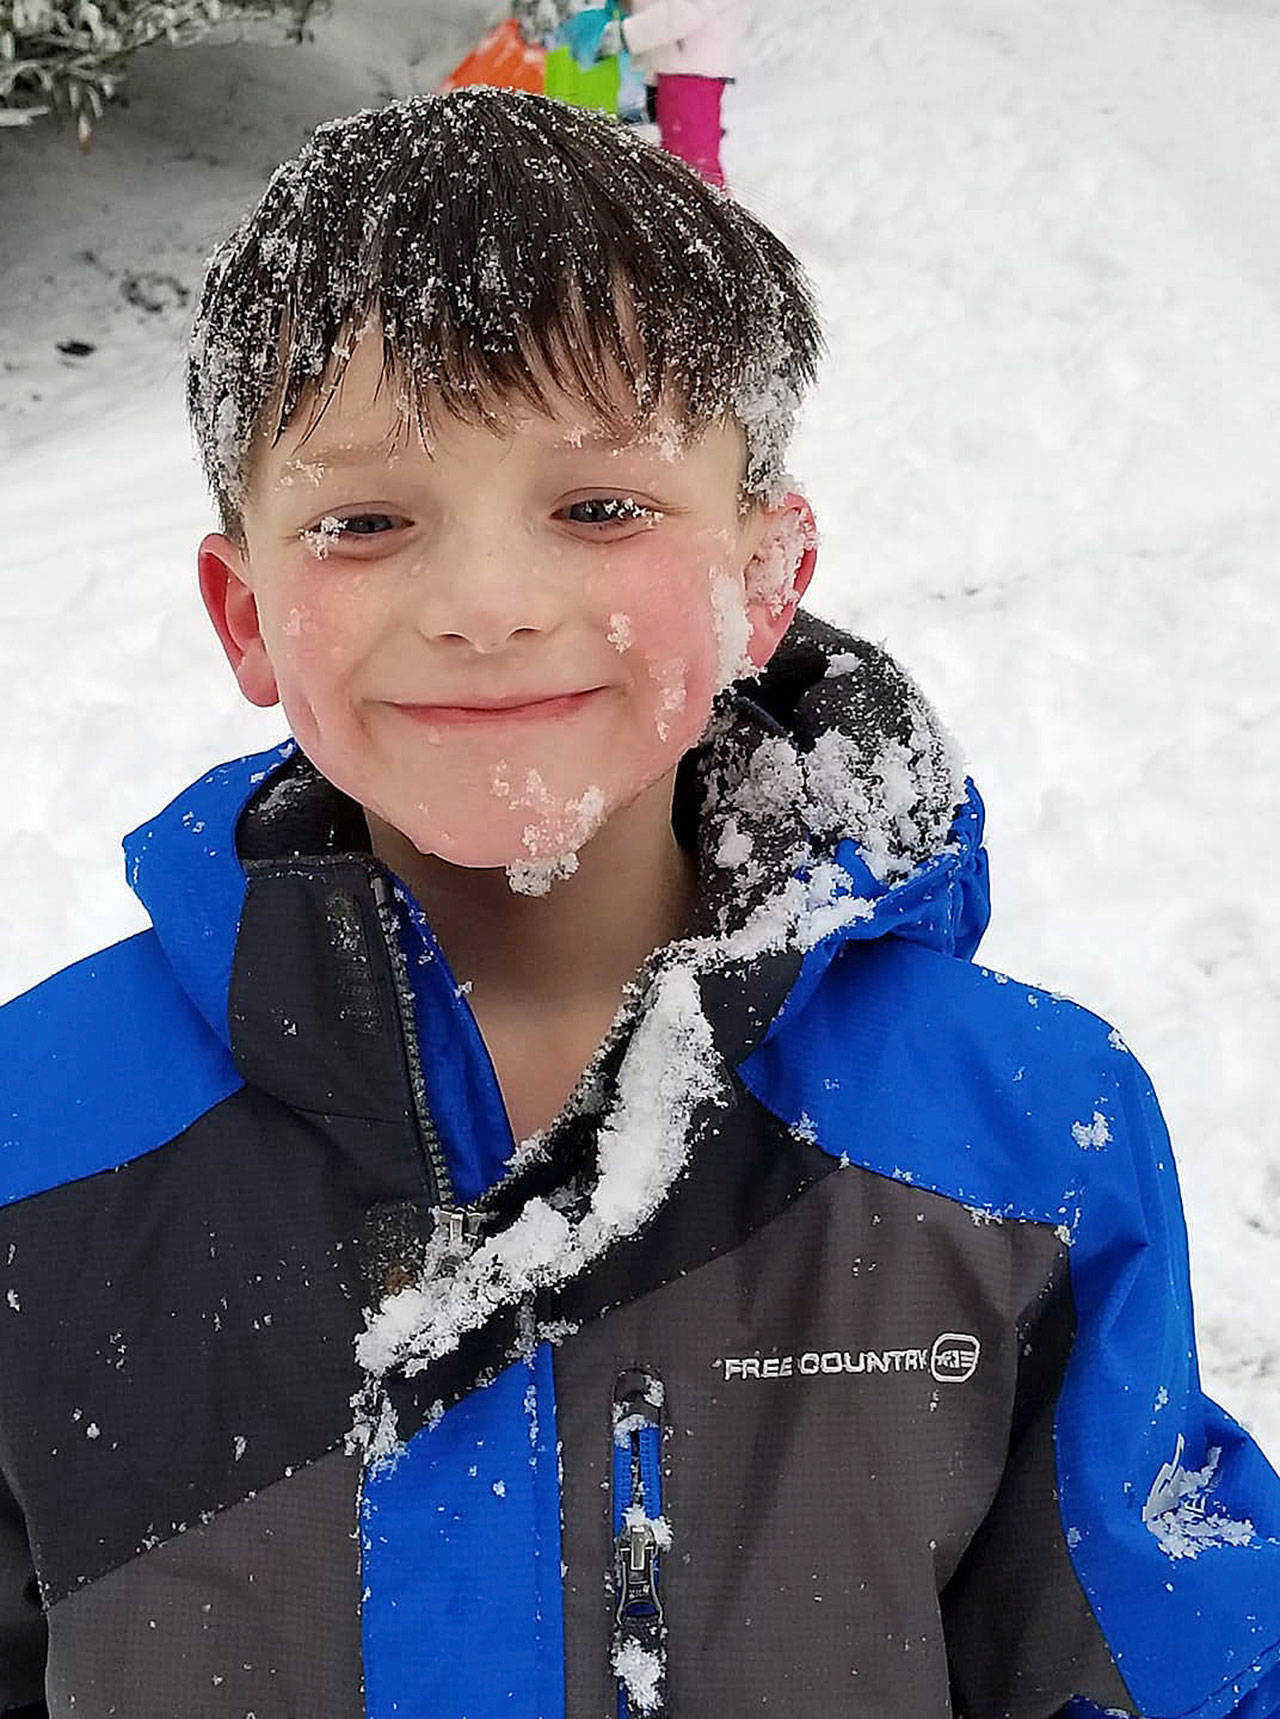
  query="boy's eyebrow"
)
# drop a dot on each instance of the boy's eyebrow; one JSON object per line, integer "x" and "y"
{"x": 360, "y": 454}
{"x": 606, "y": 441}
{"x": 353, "y": 454}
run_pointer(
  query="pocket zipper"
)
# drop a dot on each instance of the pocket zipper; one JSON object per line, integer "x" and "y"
{"x": 641, "y": 1537}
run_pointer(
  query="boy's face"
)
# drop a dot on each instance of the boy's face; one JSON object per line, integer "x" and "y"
{"x": 495, "y": 642}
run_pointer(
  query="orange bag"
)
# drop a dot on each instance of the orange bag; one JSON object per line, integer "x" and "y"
{"x": 503, "y": 60}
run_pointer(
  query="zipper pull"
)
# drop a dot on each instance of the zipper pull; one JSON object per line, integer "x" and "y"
{"x": 638, "y": 1602}
{"x": 454, "y": 1239}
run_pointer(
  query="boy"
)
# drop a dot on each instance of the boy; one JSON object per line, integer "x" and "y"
{"x": 551, "y": 1221}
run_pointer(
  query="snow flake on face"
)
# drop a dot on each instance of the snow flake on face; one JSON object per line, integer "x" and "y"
{"x": 1177, "y": 1513}
{"x": 672, "y": 681}
{"x": 732, "y": 627}
{"x": 619, "y": 634}
{"x": 553, "y": 840}
{"x": 321, "y": 537}
{"x": 1091, "y": 1135}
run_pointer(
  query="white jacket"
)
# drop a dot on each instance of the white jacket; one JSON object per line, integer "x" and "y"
{"x": 699, "y": 38}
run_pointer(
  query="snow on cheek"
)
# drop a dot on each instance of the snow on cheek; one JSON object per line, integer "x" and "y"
{"x": 732, "y": 626}
{"x": 672, "y": 681}
{"x": 620, "y": 635}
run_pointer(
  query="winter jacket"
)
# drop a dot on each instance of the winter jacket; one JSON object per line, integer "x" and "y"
{"x": 700, "y": 38}
{"x": 831, "y": 1354}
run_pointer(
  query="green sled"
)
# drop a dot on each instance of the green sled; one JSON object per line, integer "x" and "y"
{"x": 596, "y": 87}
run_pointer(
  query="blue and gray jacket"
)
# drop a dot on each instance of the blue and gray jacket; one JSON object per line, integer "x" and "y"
{"x": 831, "y": 1353}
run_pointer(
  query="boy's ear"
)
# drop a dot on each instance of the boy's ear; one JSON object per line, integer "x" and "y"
{"x": 779, "y": 572}
{"x": 233, "y": 609}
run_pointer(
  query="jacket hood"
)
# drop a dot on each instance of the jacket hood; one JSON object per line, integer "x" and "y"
{"x": 825, "y": 802}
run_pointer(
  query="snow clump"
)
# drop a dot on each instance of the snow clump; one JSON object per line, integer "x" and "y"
{"x": 1091, "y": 1135}
{"x": 771, "y": 574}
{"x": 640, "y": 1673}
{"x": 1177, "y": 1514}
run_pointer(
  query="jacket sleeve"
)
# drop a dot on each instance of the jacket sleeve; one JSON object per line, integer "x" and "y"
{"x": 1130, "y": 1560}
{"x": 22, "y": 1625}
{"x": 667, "y": 21}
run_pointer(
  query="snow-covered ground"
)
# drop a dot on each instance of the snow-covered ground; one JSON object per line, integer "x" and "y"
{"x": 1044, "y": 453}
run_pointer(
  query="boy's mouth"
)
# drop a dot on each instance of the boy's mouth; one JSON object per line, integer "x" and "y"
{"x": 518, "y": 709}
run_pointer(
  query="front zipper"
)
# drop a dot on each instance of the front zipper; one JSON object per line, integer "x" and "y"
{"x": 641, "y": 1538}
{"x": 439, "y": 1182}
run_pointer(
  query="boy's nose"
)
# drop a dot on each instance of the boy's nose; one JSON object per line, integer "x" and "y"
{"x": 485, "y": 595}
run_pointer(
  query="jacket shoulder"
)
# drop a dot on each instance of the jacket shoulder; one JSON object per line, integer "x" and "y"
{"x": 936, "y": 1071}
{"x": 102, "y": 1062}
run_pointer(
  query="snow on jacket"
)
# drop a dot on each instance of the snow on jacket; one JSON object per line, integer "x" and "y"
{"x": 831, "y": 1354}
{"x": 700, "y": 38}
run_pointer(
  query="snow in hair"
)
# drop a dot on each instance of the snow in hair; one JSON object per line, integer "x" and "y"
{"x": 502, "y": 246}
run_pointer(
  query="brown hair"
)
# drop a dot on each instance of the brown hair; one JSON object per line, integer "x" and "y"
{"x": 504, "y": 245}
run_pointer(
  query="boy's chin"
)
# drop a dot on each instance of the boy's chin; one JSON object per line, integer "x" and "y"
{"x": 488, "y": 849}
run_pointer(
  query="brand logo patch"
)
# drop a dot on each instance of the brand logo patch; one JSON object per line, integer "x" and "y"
{"x": 952, "y": 1359}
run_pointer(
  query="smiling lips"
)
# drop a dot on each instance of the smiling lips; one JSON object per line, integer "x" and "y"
{"x": 499, "y": 710}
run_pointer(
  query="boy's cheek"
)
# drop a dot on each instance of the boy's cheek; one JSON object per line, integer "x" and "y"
{"x": 668, "y": 591}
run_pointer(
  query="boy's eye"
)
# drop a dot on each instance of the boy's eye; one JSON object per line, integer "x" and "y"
{"x": 366, "y": 524}
{"x": 337, "y": 528}
{"x": 609, "y": 510}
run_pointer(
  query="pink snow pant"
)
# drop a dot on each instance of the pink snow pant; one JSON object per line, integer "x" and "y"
{"x": 689, "y": 121}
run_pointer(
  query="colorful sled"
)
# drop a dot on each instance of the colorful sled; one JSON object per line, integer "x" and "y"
{"x": 596, "y": 87}
{"x": 503, "y": 60}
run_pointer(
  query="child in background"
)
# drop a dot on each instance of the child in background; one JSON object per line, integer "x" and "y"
{"x": 694, "y": 48}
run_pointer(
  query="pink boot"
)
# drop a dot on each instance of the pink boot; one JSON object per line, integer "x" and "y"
{"x": 689, "y": 121}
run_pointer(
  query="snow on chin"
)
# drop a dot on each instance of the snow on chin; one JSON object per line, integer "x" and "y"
{"x": 551, "y": 840}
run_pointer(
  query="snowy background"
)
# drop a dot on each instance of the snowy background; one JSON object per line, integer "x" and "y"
{"x": 1044, "y": 454}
